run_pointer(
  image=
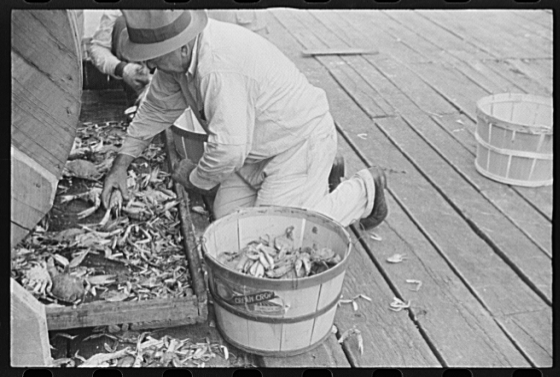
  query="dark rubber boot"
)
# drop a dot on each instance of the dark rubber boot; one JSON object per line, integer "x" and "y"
{"x": 380, "y": 210}
{"x": 337, "y": 172}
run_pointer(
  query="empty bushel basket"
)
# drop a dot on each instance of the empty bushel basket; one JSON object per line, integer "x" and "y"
{"x": 514, "y": 136}
{"x": 275, "y": 317}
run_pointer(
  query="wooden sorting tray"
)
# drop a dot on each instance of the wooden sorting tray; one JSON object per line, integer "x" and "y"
{"x": 142, "y": 314}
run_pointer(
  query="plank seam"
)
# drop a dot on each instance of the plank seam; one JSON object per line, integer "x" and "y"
{"x": 473, "y": 184}
{"x": 398, "y": 294}
{"x": 472, "y": 224}
{"x": 379, "y": 267}
{"x": 461, "y": 111}
{"x": 21, "y": 226}
{"x": 515, "y": 344}
{"x": 457, "y": 273}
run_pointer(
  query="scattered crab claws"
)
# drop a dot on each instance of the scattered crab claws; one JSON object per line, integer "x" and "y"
{"x": 397, "y": 305}
{"x": 396, "y": 258}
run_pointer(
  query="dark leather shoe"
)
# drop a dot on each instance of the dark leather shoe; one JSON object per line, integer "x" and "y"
{"x": 380, "y": 210}
{"x": 337, "y": 172}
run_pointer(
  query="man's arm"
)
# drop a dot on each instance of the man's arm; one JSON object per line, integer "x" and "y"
{"x": 164, "y": 103}
{"x": 100, "y": 47}
{"x": 229, "y": 105}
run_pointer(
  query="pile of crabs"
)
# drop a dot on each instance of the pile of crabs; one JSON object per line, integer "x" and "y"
{"x": 279, "y": 258}
{"x": 81, "y": 252}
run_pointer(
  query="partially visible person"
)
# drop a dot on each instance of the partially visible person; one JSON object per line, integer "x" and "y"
{"x": 271, "y": 137}
{"x": 106, "y": 55}
{"x": 105, "y": 49}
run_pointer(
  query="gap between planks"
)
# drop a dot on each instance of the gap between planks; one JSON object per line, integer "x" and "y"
{"x": 484, "y": 295}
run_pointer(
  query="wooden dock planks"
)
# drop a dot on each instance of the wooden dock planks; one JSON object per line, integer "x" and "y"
{"x": 405, "y": 90}
{"x": 445, "y": 246}
{"x": 461, "y": 90}
{"x": 404, "y": 110}
{"x": 486, "y": 219}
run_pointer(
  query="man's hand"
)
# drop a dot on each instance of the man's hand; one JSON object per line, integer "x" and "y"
{"x": 181, "y": 173}
{"x": 116, "y": 179}
{"x": 136, "y": 76}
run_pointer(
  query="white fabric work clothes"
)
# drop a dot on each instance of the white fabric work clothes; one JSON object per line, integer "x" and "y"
{"x": 258, "y": 109}
{"x": 102, "y": 42}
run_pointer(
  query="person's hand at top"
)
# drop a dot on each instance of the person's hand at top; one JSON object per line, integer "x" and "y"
{"x": 136, "y": 76}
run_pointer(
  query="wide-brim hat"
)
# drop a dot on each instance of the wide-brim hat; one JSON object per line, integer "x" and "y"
{"x": 153, "y": 33}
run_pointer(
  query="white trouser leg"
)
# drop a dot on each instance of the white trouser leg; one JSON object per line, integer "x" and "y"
{"x": 299, "y": 178}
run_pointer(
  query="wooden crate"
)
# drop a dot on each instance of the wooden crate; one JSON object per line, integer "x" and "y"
{"x": 149, "y": 313}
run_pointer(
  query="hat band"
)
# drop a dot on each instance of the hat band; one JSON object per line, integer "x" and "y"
{"x": 147, "y": 36}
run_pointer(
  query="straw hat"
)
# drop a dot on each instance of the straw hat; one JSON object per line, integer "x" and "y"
{"x": 153, "y": 33}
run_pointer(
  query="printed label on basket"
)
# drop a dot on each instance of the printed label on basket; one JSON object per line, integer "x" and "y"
{"x": 250, "y": 300}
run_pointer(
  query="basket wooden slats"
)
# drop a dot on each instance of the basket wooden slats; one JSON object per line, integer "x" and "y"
{"x": 514, "y": 136}
{"x": 274, "y": 317}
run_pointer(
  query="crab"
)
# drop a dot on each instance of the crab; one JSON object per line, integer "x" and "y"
{"x": 64, "y": 287}
{"x": 93, "y": 195}
{"x": 39, "y": 279}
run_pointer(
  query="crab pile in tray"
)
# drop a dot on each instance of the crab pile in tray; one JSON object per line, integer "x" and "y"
{"x": 82, "y": 252}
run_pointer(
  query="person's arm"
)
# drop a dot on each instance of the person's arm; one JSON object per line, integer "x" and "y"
{"x": 163, "y": 104}
{"x": 100, "y": 47}
{"x": 229, "y": 105}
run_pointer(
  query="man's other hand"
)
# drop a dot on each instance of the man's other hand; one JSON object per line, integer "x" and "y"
{"x": 181, "y": 173}
{"x": 136, "y": 76}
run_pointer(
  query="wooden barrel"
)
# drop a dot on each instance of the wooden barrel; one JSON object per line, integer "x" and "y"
{"x": 46, "y": 102}
{"x": 514, "y": 136}
{"x": 274, "y": 317}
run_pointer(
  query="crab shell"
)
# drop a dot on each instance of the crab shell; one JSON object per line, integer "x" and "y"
{"x": 67, "y": 288}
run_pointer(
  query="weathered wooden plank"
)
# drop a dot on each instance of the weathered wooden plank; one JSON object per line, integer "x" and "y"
{"x": 113, "y": 313}
{"x": 327, "y": 354}
{"x": 491, "y": 280}
{"x": 536, "y": 18}
{"x": 506, "y": 239}
{"x": 406, "y": 344}
{"x": 458, "y": 90}
{"x": 530, "y": 221}
{"x": 471, "y": 29}
{"x": 532, "y": 329}
{"x": 190, "y": 243}
{"x": 17, "y": 233}
{"x": 339, "y": 51}
{"x": 352, "y": 115}
{"x": 406, "y": 92}
{"x": 449, "y": 42}
{"x": 423, "y": 124}
{"x": 428, "y": 104}
{"x": 536, "y": 70}
{"x": 29, "y": 41}
{"x": 416, "y": 30}
{"x": 505, "y": 24}
{"x": 505, "y": 68}
{"x": 530, "y": 27}
{"x": 389, "y": 338}
{"x": 29, "y": 338}
{"x": 43, "y": 116}
{"x": 476, "y": 340}
{"x": 494, "y": 46}
{"x": 369, "y": 98}
{"x": 33, "y": 190}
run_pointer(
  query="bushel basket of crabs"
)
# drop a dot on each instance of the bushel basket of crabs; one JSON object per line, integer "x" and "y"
{"x": 275, "y": 276}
